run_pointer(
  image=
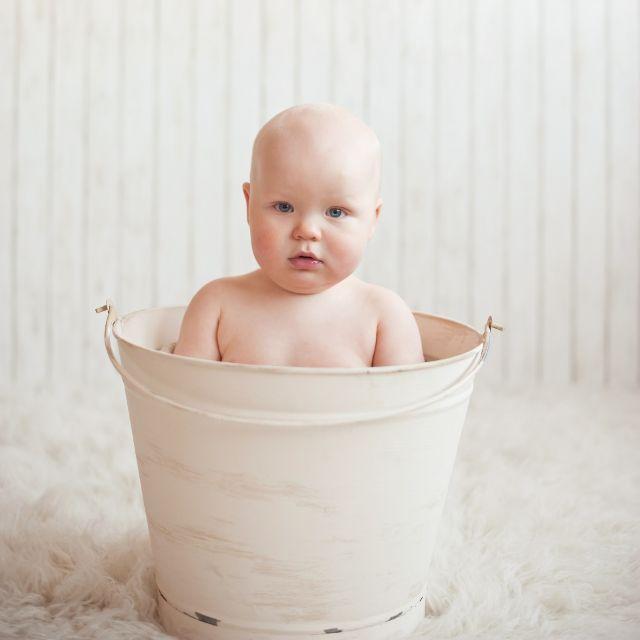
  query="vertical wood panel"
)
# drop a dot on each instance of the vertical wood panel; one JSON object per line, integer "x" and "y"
{"x": 522, "y": 204}
{"x": 66, "y": 197}
{"x": 384, "y": 117}
{"x": 209, "y": 154}
{"x": 451, "y": 227}
{"x": 510, "y": 164}
{"x": 8, "y": 113}
{"x": 136, "y": 138}
{"x": 555, "y": 190}
{"x": 488, "y": 158}
{"x": 416, "y": 263}
{"x": 244, "y": 122}
{"x": 278, "y": 30}
{"x": 175, "y": 214}
{"x": 348, "y": 65}
{"x": 348, "y": 54}
{"x": 32, "y": 190}
{"x": 314, "y": 49}
{"x": 623, "y": 310}
{"x": 102, "y": 215}
{"x": 278, "y": 73}
{"x": 591, "y": 191}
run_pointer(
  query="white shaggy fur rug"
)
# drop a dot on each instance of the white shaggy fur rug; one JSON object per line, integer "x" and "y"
{"x": 540, "y": 536}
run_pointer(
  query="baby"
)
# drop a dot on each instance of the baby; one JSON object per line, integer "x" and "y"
{"x": 312, "y": 205}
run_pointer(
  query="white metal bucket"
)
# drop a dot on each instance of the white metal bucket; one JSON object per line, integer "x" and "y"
{"x": 293, "y": 502}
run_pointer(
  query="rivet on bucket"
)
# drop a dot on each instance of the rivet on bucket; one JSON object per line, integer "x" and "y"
{"x": 206, "y": 619}
{"x": 201, "y": 617}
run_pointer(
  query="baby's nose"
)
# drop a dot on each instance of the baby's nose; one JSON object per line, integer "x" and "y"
{"x": 307, "y": 227}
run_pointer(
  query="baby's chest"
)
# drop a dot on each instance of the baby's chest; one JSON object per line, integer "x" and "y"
{"x": 329, "y": 339}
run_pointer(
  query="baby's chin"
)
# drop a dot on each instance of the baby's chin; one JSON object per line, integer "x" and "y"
{"x": 303, "y": 282}
{"x": 298, "y": 285}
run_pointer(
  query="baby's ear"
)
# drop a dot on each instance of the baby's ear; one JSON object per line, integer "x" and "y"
{"x": 246, "y": 188}
{"x": 378, "y": 207}
{"x": 375, "y": 222}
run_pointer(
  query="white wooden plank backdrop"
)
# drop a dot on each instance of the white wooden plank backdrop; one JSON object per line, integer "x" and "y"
{"x": 510, "y": 136}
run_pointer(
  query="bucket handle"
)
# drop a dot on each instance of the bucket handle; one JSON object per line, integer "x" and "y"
{"x": 306, "y": 420}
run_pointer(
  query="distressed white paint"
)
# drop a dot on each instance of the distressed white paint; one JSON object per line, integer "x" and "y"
{"x": 136, "y": 154}
{"x": 521, "y": 201}
{"x": 8, "y": 185}
{"x": 175, "y": 214}
{"x": 102, "y": 181}
{"x": 510, "y": 136}
{"x": 589, "y": 25}
{"x": 255, "y": 502}
{"x": 622, "y": 320}
{"x": 554, "y": 333}
{"x": 451, "y": 137}
{"x": 33, "y": 191}
{"x": 313, "y": 37}
{"x": 487, "y": 154}
{"x": 417, "y": 256}
{"x": 244, "y": 118}
{"x": 210, "y": 114}
{"x": 67, "y": 241}
{"x": 348, "y": 55}
{"x": 384, "y": 101}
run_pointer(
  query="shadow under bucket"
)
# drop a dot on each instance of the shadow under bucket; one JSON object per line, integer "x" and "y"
{"x": 293, "y": 502}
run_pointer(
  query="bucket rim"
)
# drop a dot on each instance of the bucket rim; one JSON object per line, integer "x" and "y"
{"x": 287, "y": 369}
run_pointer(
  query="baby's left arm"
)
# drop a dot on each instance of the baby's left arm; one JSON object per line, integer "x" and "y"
{"x": 398, "y": 337}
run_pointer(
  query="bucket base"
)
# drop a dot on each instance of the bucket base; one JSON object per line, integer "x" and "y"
{"x": 187, "y": 627}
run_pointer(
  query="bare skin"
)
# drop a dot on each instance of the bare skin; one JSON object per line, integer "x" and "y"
{"x": 315, "y": 176}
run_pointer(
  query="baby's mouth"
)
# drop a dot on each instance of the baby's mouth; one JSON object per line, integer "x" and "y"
{"x": 303, "y": 262}
{"x": 303, "y": 257}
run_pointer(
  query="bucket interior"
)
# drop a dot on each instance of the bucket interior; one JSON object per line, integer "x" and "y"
{"x": 158, "y": 329}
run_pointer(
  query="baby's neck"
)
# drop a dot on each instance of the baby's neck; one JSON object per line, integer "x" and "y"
{"x": 273, "y": 287}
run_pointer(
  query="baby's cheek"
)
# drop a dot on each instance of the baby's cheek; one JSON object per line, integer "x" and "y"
{"x": 264, "y": 244}
{"x": 353, "y": 251}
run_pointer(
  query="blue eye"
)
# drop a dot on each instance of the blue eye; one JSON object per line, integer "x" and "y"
{"x": 286, "y": 204}
{"x": 285, "y": 207}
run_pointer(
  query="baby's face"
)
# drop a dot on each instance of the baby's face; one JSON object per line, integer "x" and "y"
{"x": 316, "y": 195}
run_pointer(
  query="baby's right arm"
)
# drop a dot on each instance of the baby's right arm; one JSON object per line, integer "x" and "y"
{"x": 200, "y": 324}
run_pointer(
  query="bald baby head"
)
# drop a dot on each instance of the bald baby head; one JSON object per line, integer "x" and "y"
{"x": 315, "y": 179}
{"x": 318, "y": 136}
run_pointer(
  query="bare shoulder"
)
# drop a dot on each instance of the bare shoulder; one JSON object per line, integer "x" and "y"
{"x": 200, "y": 322}
{"x": 208, "y": 297}
{"x": 386, "y": 303}
{"x": 398, "y": 338}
